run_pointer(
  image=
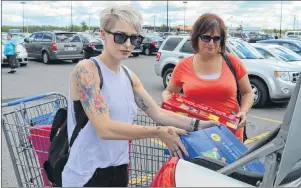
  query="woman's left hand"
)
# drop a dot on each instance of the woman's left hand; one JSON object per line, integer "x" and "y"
{"x": 243, "y": 119}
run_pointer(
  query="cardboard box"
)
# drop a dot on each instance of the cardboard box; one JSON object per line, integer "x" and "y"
{"x": 218, "y": 143}
{"x": 183, "y": 105}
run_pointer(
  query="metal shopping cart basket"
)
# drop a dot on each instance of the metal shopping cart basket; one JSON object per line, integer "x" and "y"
{"x": 26, "y": 126}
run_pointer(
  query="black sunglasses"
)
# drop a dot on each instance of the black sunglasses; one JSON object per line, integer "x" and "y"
{"x": 121, "y": 38}
{"x": 207, "y": 38}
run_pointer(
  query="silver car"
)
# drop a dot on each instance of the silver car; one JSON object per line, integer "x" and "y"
{"x": 270, "y": 79}
{"x": 274, "y": 51}
{"x": 54, "y": 45}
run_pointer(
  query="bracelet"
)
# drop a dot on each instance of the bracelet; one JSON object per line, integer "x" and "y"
{"x": 196, "y": 125}
{"x": 192, "y": 122}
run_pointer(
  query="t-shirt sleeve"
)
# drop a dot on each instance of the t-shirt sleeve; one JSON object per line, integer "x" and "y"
{"x": 176, "y": 77}
{"x": 239, "y": 67}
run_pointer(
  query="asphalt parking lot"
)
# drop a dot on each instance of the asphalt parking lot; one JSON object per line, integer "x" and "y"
{"x": 37, "y": 78}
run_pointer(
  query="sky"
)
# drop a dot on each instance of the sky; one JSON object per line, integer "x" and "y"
{"x": 262, "y": 14}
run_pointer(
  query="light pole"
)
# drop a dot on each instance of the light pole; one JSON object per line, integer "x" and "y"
{"x": 294, "y": 21}
{"x": 23, "y": 14}
{"x": 154, "y": 23}
{"x": 280, "y": 20}
{"x": 71, "y": 17}
{"x": 184, "y": 13}
{"x": 167, "y": 17}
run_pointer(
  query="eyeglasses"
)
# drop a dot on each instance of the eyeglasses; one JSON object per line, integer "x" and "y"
{"x": 121, "y": 38}
{"x": 207, "y": 38}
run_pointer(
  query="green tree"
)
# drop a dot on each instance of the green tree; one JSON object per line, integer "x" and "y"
{"x": 83, "y": 26}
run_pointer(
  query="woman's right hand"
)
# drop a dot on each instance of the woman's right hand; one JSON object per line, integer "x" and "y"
{"x": 170, "y": 136}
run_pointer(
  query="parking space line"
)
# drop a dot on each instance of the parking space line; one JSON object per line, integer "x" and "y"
{"x": 266, "y": 119}
{"x": 140, "y": 179}
{"x": 255, "y": 138}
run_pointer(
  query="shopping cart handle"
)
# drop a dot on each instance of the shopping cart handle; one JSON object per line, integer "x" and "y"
{"x": 28, "y": 99}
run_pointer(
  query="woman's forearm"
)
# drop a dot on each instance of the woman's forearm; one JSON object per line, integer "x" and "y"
{"x": 165, "y": 95}
{"x": 247, "y": 102}
{"x": 168, "y": 118}
{"x": 124, "y": 131}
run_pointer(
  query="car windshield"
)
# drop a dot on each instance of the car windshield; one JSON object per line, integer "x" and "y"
{"x": 244, "y": 50}
{"x": 90, "y": 38}
{"x": 64, "y": 37}
{"x": 286, "y": 54}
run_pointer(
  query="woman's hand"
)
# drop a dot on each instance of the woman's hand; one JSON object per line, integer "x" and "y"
{"x": 170, "y": 137}
{"x": 243, "y": 119}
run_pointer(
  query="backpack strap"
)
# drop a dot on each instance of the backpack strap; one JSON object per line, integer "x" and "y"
{"x": 81, "y": 122}
{"x": 126, "y": 70}
{"x": 99, "y": 71}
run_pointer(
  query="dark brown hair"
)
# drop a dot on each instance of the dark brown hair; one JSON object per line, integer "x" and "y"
{"x": 208, "y": 22}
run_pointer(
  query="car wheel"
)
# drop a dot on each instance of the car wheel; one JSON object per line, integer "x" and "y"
{"x": 147, "y": 51}
{"x": 86, "y": 55}
{"x": 75, "y": 60}
{"x": 45, "y": 58}
{"x": 135, "y": 54}
{"x": 23, "y": 64}
{"x": 260, "y": 92}
{"x": 167, "y": 76}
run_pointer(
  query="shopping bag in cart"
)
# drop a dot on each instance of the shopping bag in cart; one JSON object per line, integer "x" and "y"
{"x": 39, "y": 138}
{"x": 217, "y": 143}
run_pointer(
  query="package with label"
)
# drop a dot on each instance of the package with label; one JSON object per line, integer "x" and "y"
{"x": 183, "y": 105}
{"x": 217, "y": 143}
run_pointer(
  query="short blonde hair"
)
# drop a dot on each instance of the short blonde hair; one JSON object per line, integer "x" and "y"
{"x": 125, "y": 13}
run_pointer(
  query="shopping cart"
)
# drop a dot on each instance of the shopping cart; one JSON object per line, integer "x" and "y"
{"x": 27, "y": 125}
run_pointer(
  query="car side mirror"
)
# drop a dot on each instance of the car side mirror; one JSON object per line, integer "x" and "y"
{"x": 26, "y": 40}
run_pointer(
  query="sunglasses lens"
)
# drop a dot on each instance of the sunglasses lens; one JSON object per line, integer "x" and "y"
{"x": 120, "y": 38}
{"x": 136, "y": 40}
{"x": 217, "y": 39}
{"x": 205, "y": 38}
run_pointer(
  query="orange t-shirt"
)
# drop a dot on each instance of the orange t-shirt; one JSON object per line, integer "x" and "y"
{"x": 218, "y": 93}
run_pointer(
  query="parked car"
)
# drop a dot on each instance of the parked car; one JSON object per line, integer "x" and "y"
{"x": 270, "y": 79}
{"x": 294, "y": 45}
{"x": 91, "y": 46}
{"x": 151, "y": 44}
{"x": 54, "y": 45}
{"x": 280, "y": 53}
{"x": 292, "y": 35}
{"x": 22, "y": 55}
{"x": 240, "y": 35}
{"x": 258, "y": 37}
{"x": 280, "y": 152}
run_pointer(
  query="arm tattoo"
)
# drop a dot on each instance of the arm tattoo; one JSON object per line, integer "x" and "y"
{"x": 89, "y": 93}
{"x": 141, "y": 104}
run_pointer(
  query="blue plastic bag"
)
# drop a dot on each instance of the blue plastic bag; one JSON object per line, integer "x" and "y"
{"x": 218, "y": 143}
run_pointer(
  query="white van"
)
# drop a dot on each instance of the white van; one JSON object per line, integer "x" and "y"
{"x": 292, "y": 35}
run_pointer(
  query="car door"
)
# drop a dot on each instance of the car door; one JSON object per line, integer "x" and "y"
{"x": 68, "y": 45}
{"x": 36, "y": 46}
{"x": 186, "y": 50}
{"x": 29, "y": 45}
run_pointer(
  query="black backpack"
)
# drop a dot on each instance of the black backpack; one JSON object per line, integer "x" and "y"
{"x": 59, "y": 149}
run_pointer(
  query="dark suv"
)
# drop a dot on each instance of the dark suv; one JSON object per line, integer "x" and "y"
{"x": 54, "y": 45}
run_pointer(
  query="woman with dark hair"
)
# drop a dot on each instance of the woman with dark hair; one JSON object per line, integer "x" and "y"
{"x": 10, "y": 52}
{"x": 205, "y": 76}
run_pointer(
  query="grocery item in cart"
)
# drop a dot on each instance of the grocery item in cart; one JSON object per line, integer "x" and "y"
{"x": 39, "y": 137}
{"x": 217, "y": 143}
{"x": 183, "y": 105}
